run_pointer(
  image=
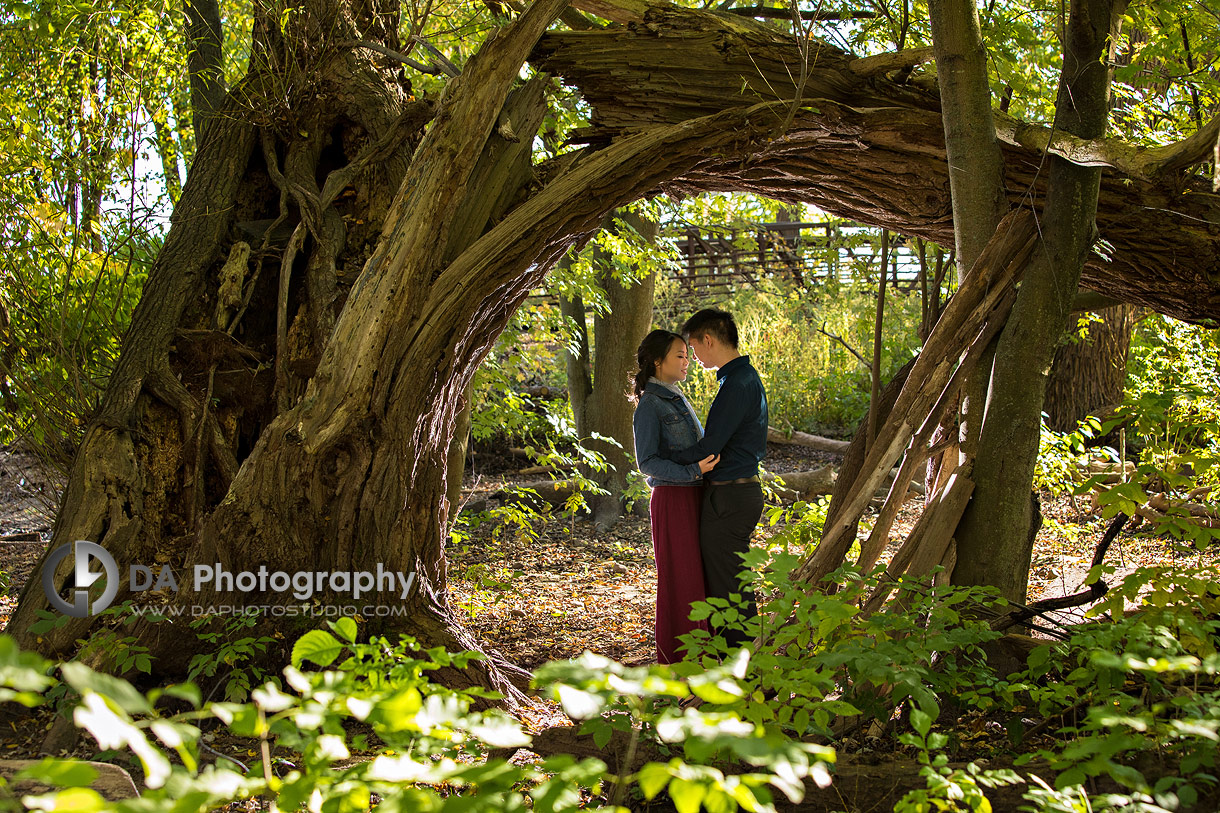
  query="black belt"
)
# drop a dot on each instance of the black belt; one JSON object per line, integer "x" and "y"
{"x": 739, "y": 481}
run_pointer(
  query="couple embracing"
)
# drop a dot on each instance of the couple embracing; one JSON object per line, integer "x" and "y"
{"x": 706, "y": 493}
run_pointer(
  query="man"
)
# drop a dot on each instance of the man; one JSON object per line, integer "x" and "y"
{"x": 737, "y": 431}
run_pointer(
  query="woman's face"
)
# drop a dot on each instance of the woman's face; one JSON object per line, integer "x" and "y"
{"x": 673, "y": 367}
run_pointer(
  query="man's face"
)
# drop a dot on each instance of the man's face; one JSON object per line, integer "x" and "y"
{"x": 701, "y": 347}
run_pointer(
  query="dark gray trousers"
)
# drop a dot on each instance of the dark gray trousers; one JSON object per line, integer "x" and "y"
{"x": 730, "y": 514}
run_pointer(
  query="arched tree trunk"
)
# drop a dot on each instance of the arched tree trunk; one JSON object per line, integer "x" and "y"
{"x": 1089, "y": 373}
{"x": 868, "y": 144}
{"x": 314, "y": 436}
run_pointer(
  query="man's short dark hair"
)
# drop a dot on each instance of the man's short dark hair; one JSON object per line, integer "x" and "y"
{"x": 711, "y": 321}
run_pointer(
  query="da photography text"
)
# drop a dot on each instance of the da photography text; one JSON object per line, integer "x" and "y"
{"x": 303, "y": 584}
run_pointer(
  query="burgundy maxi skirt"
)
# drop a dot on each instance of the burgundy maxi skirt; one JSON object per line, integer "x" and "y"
{"x": 675, "y": 543}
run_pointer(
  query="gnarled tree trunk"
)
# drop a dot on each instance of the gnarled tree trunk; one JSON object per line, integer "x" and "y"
{"x": 297, "y": 414}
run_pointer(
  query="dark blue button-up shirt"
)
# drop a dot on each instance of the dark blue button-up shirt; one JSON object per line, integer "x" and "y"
{"x": 736, "y": 424}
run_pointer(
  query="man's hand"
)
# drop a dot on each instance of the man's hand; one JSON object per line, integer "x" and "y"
{"x": 708, "y": 463}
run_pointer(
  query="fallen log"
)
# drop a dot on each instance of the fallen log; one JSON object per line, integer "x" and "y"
{"x": 809, "y": 441}
{"x": 858, "y": 782}
{"x": 806, "y": 485}
{"x": 1160, "y": 508}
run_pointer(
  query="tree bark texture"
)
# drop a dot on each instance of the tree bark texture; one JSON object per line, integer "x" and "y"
{"x": 294, "y": 406}
{"x": 616, "y": 334}
{"x": 994, "y": 540}
{"x": 1088, "y": 374}
{"x": 867, "y": 147}
{"x": 975, "y": 164}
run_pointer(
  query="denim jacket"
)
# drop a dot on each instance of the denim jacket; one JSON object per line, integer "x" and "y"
{"x": 664, "y": 423}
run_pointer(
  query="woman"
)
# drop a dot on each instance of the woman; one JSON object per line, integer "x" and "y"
{"x": 665, "y": 420}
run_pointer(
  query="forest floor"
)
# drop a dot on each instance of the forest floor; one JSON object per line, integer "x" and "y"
{"x": 573, "y": 588}
{"x": 563, "y": 590}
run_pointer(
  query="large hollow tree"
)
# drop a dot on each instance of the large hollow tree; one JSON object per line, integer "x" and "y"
{"x": 295, "y": 410}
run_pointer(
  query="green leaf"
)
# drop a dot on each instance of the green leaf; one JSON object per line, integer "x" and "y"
{"x": 718, "y": 692}
{"x": 72, "y": 800}
{"x": 579, "y": 704}
{"x": 186, "y": 691}
{"x": 921, "y": 721}
{"x": 345, "y": 628}
{"x": 500, "y": 731}
{"x": 687, "y": 795}
{"x": 318, "y": 646}
{"x": 117, "y": 690}
{"x": 653, "y": 778}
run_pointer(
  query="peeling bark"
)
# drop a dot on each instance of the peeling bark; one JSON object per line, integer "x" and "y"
{"x": 871, "y": 148}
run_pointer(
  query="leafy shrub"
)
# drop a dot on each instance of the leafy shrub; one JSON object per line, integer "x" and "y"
{"x": 1144, "y": 685}
{"x": 432, "y": 745}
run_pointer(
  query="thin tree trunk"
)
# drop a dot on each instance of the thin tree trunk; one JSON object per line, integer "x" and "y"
{"x": 874, "y": 398}
{"x": 994, "y": 540}
{"x": 578, "y": 363}
{"x": 455, "y": 465}
{"x": 616, "y": 334}
{"x": 976, "y": 166}
{"x": 205, "y": 61}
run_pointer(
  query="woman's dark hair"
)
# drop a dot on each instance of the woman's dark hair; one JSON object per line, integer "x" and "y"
{"x": 653, "y": 349}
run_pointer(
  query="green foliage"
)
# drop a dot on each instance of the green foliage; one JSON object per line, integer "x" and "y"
{"x": 1064, "y": 457}
{"x": 613, "y": 698}
{"x": 1143, "y": 683}
{"x": 232, "y": 660}
{"x": 1170, "y": 416}
{"x": 430, "y": 746}
{"x": 948, "y": 789}
{"x": 79, "y": 201}
{"x": 828, "y": 659}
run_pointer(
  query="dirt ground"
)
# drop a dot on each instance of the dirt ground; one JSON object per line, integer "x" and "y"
{"x": 571, "y": 587}
{"x": 564, "y": 589}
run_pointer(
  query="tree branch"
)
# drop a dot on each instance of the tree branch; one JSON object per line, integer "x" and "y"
{"x": 441, "y": 59}
{"x": 616, "y": 11}
{"x": 1191, "y": 150}
{"x": 434, "y": 70}
{"x": 893, "y": 61}
{"x": 1146, "y": 163}
{"x": 768, "y": 13}
{"x": 847, "y": 346}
